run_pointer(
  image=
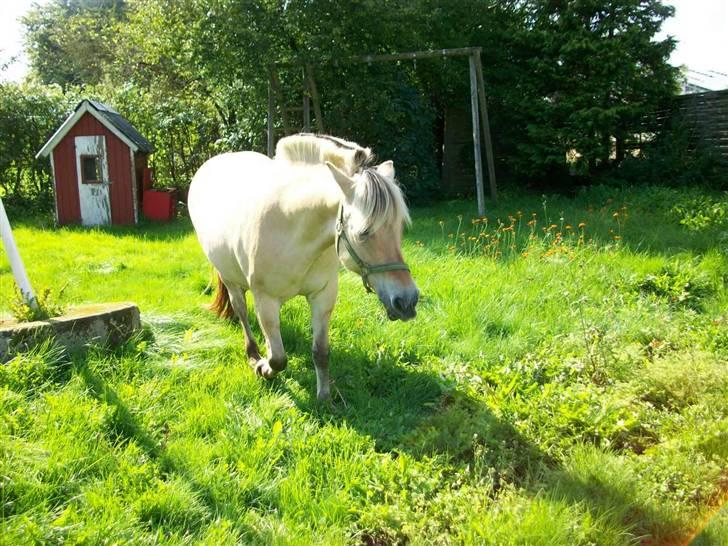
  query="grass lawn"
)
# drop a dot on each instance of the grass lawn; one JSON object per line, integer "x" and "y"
{"x": 565, "y": 382}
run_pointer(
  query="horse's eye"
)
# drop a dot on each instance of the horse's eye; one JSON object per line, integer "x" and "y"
{"x": 363, "y": 235}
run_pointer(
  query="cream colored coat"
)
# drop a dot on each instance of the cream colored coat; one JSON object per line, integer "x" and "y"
{"x": 268, "y": 226}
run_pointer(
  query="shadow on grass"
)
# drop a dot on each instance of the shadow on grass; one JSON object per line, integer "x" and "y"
{"x": 125, "y": 427}
{"x": 145, "y": 229}
{"x": 407, "y": 409}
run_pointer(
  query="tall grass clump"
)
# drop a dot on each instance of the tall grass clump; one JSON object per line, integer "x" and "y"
{"x": 521, "y": 234}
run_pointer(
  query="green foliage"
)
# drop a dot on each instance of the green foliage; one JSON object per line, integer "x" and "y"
{"x": 678, "y": 285}
{"x": 703, "y": 212}
{"x": 70, "y": 42}
{"x": 593, "y": 71}
{"x": 674, "y": 384}
{"x": 29, "y": 113}
{"x": 184, "y": 129}
{"x": 192, "y": 75}
{"x": 673, "y": 159}
{"x": 403, "y": 122}
{"x": 47, "y": 305}
{"x": 34, "y": 371}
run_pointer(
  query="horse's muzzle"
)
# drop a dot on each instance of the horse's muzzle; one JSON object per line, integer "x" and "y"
{"x": 402, "y": 306}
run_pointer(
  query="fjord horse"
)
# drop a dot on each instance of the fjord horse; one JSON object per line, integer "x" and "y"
{"x": 280, "y": 227}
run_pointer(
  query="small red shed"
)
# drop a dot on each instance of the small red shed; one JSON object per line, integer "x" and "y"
{"x": 98, "y": 161}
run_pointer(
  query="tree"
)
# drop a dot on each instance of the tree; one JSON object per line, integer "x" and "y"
{"x": 219, "y": 52}
{"x": 29, "y": 114}
{"x": 69, "y": 42}
{"x": 561, "y": 77}
{"x": 595, "y": 70}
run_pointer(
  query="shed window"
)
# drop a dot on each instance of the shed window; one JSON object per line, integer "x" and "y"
{"x": 90, "y": 169}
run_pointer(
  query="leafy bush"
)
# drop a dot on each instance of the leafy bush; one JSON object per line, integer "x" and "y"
{"x": 676, "y": 382}
{"x": 703, "y": 212}
{"x": 29, "y": 113}
{"x": 47, "y": 306}
{"x": 678, "y": 286}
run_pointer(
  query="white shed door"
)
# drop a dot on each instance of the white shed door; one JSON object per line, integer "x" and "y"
{"x": 92, "y": 168}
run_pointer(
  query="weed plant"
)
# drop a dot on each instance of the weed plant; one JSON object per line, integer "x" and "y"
{"x": 47, "y": 305}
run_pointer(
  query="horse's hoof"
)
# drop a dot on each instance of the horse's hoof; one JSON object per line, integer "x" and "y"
{"x": 323, "y": 396}
{"x": 263, "y": 369}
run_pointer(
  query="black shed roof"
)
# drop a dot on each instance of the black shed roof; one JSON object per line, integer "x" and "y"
{"x": 121, "y": 124}
{"x": 107, "y": 116}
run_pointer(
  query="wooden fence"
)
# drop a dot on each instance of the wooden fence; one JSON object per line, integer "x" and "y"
{"x": 703, "y": 115}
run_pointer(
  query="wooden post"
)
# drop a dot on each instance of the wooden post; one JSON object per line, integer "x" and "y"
{"x": 315, "y": 99}
{"x": 271, "y": 106}
{"x": 278, "y": 94}
{"x": 486, "y": 127}
{"x": 16, "y": 263}
{"x": 476, "y": 137}
{"x": 306, "y": 105}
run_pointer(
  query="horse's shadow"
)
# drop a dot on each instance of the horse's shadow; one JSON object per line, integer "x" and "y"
{"x": 406, "y": 408}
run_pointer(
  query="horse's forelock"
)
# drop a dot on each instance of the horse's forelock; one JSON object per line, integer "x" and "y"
{"x": 380, "y": 200}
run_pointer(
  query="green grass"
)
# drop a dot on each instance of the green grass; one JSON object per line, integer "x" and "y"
{"x": 554, "y": 389}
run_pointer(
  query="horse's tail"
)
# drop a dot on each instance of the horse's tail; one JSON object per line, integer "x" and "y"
{"x": 222, "y": 306}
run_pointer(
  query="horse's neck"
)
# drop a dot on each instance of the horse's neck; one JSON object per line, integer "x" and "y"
{"x": 313, "y": 205}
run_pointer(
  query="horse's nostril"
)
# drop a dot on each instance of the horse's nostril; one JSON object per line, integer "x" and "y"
{"x": 398, "y": 303}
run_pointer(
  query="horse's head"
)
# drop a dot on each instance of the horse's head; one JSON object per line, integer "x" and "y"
{"x": 369, "y": 236}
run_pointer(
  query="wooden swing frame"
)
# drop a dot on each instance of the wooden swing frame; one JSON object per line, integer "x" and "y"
{"x": 478, "y": 104}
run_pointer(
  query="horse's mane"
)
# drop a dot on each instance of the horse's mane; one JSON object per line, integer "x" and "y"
{"x": 378, "y": 197}
{"x": 380, "y": 200}
{"x": 312, "y": 149}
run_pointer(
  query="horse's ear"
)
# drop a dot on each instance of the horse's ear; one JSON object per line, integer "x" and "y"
{"x": 345, "y": 183}
{"x": 361, "y": 156}
{"x": 386, "y": 169}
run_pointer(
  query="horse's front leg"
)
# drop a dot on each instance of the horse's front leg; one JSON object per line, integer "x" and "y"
{"x": 322, "y": 304}
{"x": 268, "y": 310}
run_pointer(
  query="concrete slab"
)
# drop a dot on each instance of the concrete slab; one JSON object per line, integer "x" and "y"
{"x": 99, "y": 324}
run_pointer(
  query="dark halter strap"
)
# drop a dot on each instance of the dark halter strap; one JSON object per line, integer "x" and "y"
{"x": 365, "y": 269}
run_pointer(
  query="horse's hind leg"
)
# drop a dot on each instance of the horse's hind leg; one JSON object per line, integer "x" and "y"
{"x": 268, "y": 310}
{"x": 237, "y": 300}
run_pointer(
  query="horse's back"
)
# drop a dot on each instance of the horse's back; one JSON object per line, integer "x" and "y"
{"x": 227, "y": 177}
{"x": 225, "y": 198}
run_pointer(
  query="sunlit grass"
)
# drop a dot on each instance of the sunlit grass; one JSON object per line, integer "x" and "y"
{"x": 564, "y": 382}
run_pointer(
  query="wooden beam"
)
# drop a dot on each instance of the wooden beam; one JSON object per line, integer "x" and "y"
{"x": 476, "y": 137}
{"x": 486, "y": 127}
{"x": 412, "y": 55}
{"x": 279, "y": 97}
{"x": 479, "y": 106}
{"x": 271, "y": 106}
